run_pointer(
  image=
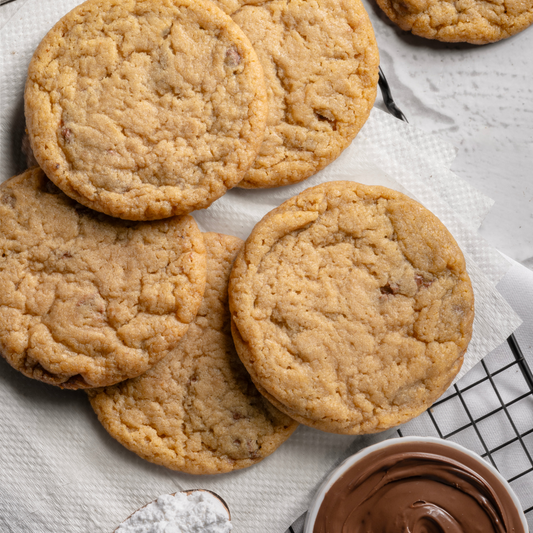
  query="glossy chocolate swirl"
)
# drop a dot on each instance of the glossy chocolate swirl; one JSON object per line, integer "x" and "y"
{"x": 418, "y": 488}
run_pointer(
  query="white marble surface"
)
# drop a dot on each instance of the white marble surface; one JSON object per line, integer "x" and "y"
{"x": 480, "y": 98}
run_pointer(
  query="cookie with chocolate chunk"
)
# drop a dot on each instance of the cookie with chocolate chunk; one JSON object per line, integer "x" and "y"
{"x": 143, "y": 109}
{"x": 197, "y": 410}
{"x": 321, "y": 62}
{"x": 351, "y": 307}
{"x": 469, "y": 21}
{"x": 87, "y": 300}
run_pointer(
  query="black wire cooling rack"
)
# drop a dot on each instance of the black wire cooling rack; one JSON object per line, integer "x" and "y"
{"x": 488, "y": 411}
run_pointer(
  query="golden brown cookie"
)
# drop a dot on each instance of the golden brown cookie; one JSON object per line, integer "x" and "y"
{"x": 320, "y": 61}
{"x": 87, "y": 300}
{"x": 144, "y": 109}
{"x": 352, "y": 307}
{"x": 197, "y": 410}
{"x": 470, "y": 21}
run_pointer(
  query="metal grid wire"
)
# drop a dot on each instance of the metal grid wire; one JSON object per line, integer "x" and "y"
{"x": 486, "y": 411}
{"x": 473, "y": 423}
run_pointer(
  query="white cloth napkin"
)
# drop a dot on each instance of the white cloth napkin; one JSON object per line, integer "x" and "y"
{"x": 60, "y": 471}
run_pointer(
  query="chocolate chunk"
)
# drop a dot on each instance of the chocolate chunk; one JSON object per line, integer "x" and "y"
{"x": 66, "y": 133}
{"x": 233, "y": 58}
{"x": 8, "y": 199}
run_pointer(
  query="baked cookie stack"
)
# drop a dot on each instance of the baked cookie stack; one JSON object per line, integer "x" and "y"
{"x": 350, "y": 307}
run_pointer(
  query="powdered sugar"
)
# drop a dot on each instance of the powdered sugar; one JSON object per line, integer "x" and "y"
{"x": 197, "y": 512}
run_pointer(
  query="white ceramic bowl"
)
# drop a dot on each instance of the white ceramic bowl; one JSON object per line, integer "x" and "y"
{"x": 352, "y": 460}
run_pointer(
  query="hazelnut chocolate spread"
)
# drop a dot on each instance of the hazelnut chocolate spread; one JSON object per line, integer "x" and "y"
{"x": 418, "y": 487}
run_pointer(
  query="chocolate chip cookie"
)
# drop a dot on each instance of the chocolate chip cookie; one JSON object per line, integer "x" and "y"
{"x": 87, "y": 300}
{"x": 143, "y": 109}
{"x": 351, "y": 307}
{"x": 320, "y": 61}
{"x": 470, "y": 21}
{"x": 197, "y": 410}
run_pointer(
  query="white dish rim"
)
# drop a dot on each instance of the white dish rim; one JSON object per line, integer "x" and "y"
{"x": 317, "y": 500}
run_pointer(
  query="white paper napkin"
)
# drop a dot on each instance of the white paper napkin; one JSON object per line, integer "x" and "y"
{"x": 7, "y": 11}
{"x": 60, "y": 471}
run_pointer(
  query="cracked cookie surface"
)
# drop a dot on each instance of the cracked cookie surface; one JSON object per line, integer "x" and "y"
{"x": 351, "y": 307}
{"x": 320, "y": 61}
{"x": 87, "y": 300}
{"x": 470, "y": 21}
{"x": 145, "y": 109}
{"x": 197, "y": 410}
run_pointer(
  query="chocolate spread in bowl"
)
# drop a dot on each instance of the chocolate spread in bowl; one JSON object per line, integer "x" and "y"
{"x": 418, "y": 487}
